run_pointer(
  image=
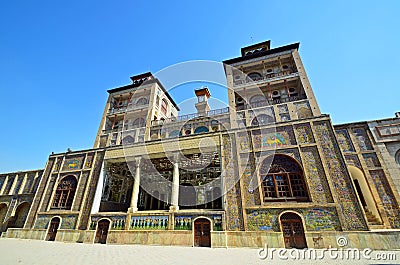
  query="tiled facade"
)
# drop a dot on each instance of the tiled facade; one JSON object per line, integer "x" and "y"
{"x": 260, "y": 171}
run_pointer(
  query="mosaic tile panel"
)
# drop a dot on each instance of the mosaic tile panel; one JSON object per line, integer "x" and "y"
{"x": 353, "y": 161}
{"x": 283, "y": 136}
{"x": 185, "y": 222}
{"x": 316, "y": 219}
{"x": 89, "y": 160}
{"x": 49, "y": 191}
{"x": 362, "y": 138}
{"x": 57, "y": 167}
{"x": 293, "y": 152}
{"x": 232, "y": 193}
{"x": 315, "y": 175}
{"x": 67, "y": 221}
{"x": 159, "y": 222}
{"x": 352, "y": 214}
{"x": 285, "y": 117}
{"x": 86, "y": 208}
{"x": 303, "y": 110}
{"x": 244, "y": 142}
{"x": 386, "y": 195}
{"x": 304, "y": 134}
{"x": 80, "y": 191}
{"x": 249, "y": 180}
{"x": 118, "y": 222}
{"x": 344, "y": 141}
{"x": 42, "y": 221}
{"x": 283, "y": 109}
{"x": 371, "y": 160}
{"x": 73, "y": 163}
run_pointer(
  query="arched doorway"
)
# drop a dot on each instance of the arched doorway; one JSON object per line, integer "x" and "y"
{"x": 293, "y": 231}
{"x": 53, "y": 228}
{"x": 102, "y": 231}
{"x": 364, "y": 194}
{"x": 202, "y": 235}
{"x": 20, "y": 214}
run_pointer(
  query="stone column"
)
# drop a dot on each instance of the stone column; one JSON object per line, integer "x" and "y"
{"x": 175, "y": 185}
{"x": 136, "y": 185}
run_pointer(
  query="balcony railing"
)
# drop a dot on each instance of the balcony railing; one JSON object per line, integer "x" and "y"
{"x": 187, "y": 117}
{"x": 268, "y": 77}
{"x": 125, "y": 108}
{"x": 269, "y": 102}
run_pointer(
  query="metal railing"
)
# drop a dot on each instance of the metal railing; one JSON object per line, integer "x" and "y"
{"x": 125, "y": 108}
{"x": 191, "y": 116}
{"x": 269, "y": 102}
{"x": 268, "y": 77}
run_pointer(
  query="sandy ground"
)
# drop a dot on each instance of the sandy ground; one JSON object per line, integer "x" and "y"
{"x": 18, "y": 251}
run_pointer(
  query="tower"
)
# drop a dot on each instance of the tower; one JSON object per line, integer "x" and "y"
{"x": 202, "y": 101}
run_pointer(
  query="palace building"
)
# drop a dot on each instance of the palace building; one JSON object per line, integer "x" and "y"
{"x": 267, "y": 169}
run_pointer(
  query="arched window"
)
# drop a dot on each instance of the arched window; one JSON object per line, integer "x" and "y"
{"x": 201, "y": 129}
{"x": 262, "y": 119}
{"x": 258, "y": 101}
{"x": 142, "y": 101}
{"x": 128, "y": 140}
{"x": 65, "y": 193}
{"x": 164, "y": 106}
{"x": 157, "y": 101}
{"x": 282, "y": 179}
{"x": 397, "y": 157}
{"x": 20, "y": 214}
{"x": 139, "y": 122}
{"x": 254, "y": 77}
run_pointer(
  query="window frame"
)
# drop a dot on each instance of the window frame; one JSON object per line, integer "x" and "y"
{"x": 284, "y": 185}
{"x": 57, "y": 202}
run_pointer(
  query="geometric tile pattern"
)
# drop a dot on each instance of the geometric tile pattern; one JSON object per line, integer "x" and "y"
{"x": 316, "y": 179}
{"x": 316, "y": 219}
{"x": 234, "y": 213}
{"x": 353, "y": 160}
{"x": 304, "y": 134}
{"x": 386, "y": 196}
{"x": 352, "y": 214}
{"x": 344, "y": 141}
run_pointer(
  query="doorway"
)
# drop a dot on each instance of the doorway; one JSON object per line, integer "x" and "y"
{"x": 102, "y": 231}
{"x": 202, "y": 237}
{"x": 53, "y": 228}
{"x": 293, "y": 231}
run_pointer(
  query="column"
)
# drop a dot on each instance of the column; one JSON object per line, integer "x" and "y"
{"x": 175, "y": 185}
{"x": 136, "y": 185}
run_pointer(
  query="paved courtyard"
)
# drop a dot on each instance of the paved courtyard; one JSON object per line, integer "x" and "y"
{"x": 17, "y": 251}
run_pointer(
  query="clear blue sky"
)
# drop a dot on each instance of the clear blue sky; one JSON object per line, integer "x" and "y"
{"x": 58, "y": 58}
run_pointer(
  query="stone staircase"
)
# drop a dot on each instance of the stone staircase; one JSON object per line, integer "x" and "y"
{"x": 373, "y": 221}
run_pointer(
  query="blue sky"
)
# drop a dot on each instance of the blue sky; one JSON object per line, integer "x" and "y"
{"x": 57, "y": 59}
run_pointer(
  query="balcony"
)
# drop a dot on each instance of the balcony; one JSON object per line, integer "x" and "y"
{"x": 126, "y": 107}
{"x": 270, "y": 77}
{"x": 192, "y": 116}
{"x": 269, "y": 102}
